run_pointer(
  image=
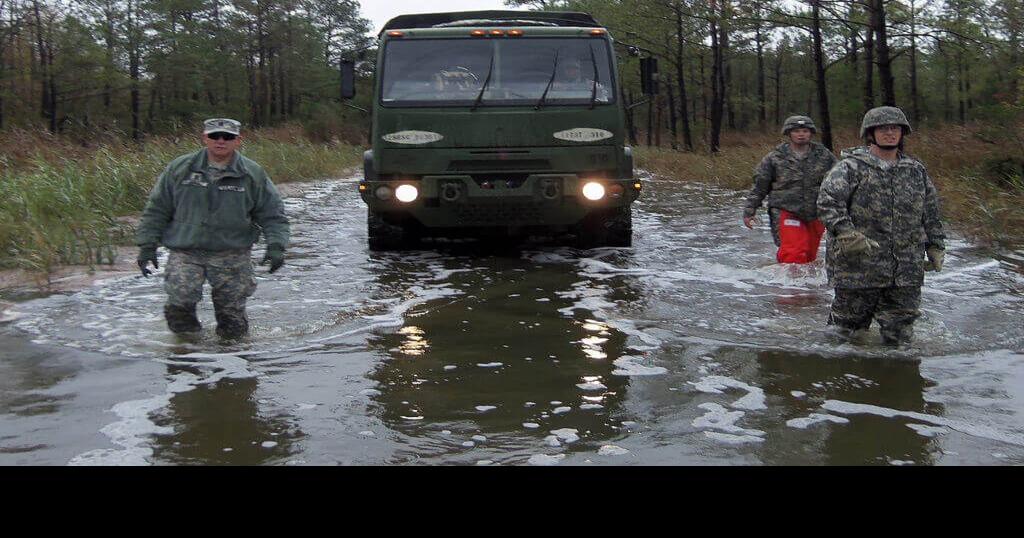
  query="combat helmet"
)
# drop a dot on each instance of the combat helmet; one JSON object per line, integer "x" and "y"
{"x": 884, "y": 115}
{"x": 797, "y": 122}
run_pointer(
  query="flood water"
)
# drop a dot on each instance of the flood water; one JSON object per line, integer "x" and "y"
{"x": 691, "y": 347}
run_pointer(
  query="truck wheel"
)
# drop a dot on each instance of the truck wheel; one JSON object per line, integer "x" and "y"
{"x": 383, "y": 235}
{"x": 612, "y": 227}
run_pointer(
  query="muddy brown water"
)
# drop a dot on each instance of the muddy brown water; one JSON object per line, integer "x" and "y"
{"x": 691, "y": 347}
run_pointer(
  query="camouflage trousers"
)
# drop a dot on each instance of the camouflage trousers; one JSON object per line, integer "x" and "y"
{"x": 896, "y": 308}
{"x": 230, "y": 274}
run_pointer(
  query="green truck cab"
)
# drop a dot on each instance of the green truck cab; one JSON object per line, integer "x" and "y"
{"x": 497, "y": 123}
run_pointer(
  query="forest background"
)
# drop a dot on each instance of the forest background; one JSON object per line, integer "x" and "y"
{"x": 97, "y": 95}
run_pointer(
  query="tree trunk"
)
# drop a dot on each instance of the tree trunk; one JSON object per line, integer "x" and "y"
{"x": 627, "y": 102}
{"x": 960, "y": 86}
{"x": 681, "y": 82}
{"x": 883, "y": 59}
{"x": 819, "y": 75}
{"x": 650, "y": 121}
{"x": 915, "y": 104}
{"x": 672, "y": 116}
{"x": 869, "y": 68}
{"x": 718, "y": 43}
{"x": 778, "y": 85}
{"x": 762, "y": 106}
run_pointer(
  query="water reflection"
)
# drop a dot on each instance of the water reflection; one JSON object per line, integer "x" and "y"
{"x": 804, "y": 382}
{"x": 498, "y": 365}
{"x": 220, "y": 423}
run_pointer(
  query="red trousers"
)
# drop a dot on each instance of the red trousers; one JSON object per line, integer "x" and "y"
{"x": 799, "y": 239}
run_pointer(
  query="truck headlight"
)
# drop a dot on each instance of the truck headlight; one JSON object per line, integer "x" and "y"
{"x": 383, "y": 192}
{"x": 593, "y": 191}
{"x": 406, "y": 193}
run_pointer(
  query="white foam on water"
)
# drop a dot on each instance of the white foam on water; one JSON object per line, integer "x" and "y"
{"x": 612, "y": 450}
{"x": 815, "y": 418}
{"x": 974, "y": 430}
{"x": 552, "y": 440}
{"x": 591, "y": 386}
{"x": 531, "y": 425}
{"x": 484, "y": 462}
{"x": 130, "y": 433}
{"x": 560, "y": 410}
{"x": 468, "y": 444}
{"x": 485, "y": 408}
{"x": 731, "y": 439}
{"x": 928, "y": 431}
{"x": 591, "y": 406}
{"x": 721, "y": 419}
{"x": 716, "y": 384}
{"x": 566, "y": 435}
{"x": 268, "y": 444}
{"x": 629, "y": 365}
{"x": 133, "y": 430}
{"x": 798, "y": 393}
{"x": 305, "y": 407}
{"x": 489, "y": 364}
{"x": 545, "y": 460}
{"x": 450, "y": 367}
{"x": 478, "y": 438}
{"x": 367, "y": 433}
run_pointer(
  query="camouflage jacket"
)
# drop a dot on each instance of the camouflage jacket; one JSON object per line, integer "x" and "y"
{"x": 190, "y": 207}
{"x": 790, "y": 182}
{"x": 895, "y": 205}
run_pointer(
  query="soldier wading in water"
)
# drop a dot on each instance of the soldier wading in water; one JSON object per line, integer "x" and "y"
{"x": 882, "y": 215}
{"x": 789, "y": 177}
{"x": 208, "y": 208}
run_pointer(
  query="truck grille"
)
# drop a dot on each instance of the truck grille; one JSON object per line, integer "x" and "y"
{"x": 499, "y": 213}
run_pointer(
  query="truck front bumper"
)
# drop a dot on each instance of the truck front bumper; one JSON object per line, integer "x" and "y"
{"x": 457, "y": 201}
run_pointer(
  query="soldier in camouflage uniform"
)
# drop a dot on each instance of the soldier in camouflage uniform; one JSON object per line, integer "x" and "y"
{"x": 789, "y": 177}
{"x": 208, "y": 208}
{"x": 882, "y": 215}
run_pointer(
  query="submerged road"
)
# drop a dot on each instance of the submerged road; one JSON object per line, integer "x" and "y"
{"x": 691, "y": 347}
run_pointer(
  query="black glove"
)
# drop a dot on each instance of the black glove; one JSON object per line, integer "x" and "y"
{"x": 147, "y": 253}
{"x": 274, "y": 256}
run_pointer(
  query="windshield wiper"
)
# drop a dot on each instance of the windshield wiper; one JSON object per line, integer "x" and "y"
{"x": 554, "y": 71}
{"x": 593, "y": 91}
{"x": 483, "y": 88}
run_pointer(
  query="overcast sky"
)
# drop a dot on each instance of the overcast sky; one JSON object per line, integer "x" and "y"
{"x": 380, "y": 11}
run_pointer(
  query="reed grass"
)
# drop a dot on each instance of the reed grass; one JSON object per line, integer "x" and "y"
{"x": 986, "y": 207}
{"x": 64, "y": 202}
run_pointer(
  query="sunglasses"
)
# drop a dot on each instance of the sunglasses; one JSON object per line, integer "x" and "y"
{"x": 222, "y": 136}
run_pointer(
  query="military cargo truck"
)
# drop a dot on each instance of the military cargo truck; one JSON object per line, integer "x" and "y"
{"x": 497, "y": 123}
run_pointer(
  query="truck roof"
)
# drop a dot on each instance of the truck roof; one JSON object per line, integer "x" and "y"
{"x": 492, "y": 18}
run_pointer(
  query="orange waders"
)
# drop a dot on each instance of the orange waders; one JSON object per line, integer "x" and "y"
{"x": 799, "y": 239}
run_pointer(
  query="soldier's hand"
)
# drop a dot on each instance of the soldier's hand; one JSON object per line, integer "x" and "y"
{"x": 147, "y": 254}
{"x": 854, "y": 243}
{"x": 274, "y": 256}
{"x": 936, "y": 256}
{"x": 749, "y": 220}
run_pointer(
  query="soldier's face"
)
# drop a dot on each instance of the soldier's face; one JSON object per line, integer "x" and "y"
{"x": 800, "y": 136}
{"x": 219, "y": 147}
{"x": 887, "y": 136}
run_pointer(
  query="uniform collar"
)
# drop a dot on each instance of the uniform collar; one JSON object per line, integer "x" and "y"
{"x": 235, "y": 168}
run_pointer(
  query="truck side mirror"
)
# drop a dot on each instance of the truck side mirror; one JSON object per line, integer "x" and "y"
{"x": 348, "y": 79}
{"x": 649, "y": 76}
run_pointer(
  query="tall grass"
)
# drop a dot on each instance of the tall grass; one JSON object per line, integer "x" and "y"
{"x": 63, "y": 202}
{"x": 984, "y": 206}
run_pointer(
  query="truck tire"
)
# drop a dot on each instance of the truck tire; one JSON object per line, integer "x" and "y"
{"x": 611, "y": 227}
{"x": 383, "y": 235}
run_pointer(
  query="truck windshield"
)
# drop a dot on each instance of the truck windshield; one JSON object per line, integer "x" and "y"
{"x": 451, "y": 72}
